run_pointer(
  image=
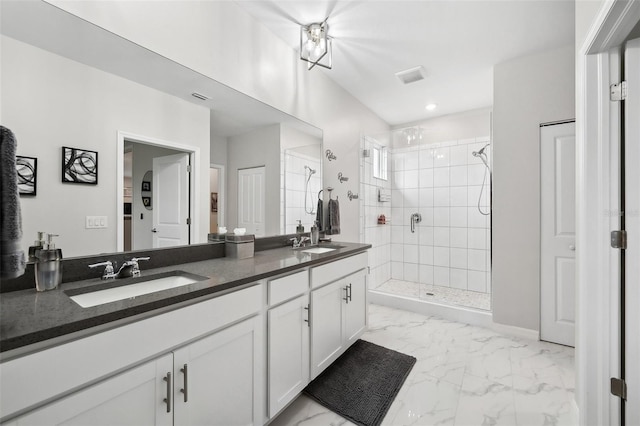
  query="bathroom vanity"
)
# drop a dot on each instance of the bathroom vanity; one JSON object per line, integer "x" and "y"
{"x": 235, "y": 348}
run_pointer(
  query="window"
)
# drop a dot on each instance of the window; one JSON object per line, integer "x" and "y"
{"x": 380, "y": 163}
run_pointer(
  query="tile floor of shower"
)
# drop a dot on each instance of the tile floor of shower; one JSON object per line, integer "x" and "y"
{"x": 437, "y": 294}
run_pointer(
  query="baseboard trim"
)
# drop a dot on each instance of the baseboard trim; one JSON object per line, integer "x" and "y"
{"x": 516, "y": 331}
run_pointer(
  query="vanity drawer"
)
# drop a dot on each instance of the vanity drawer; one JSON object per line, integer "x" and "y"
{"x": 324, "y": 274}
{"x": 288, "y": 287}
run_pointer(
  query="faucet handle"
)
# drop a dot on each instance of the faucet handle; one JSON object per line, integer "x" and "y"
{"x": 135, "y": 268}
{"x": 108, "y": 270}
{"x": 135, "y": 259}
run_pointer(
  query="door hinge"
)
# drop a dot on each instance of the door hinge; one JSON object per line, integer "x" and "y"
{"x": 618, "y": 92}
{"x": 619, "y": 239}
{"x": 619, "y": 388}
{"x": 189, "y": 168}
{"x": 188, "y": 221}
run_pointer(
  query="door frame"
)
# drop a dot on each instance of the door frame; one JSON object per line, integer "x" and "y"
{"x": 194, "y": 181}
{"x": 597, "y": 204}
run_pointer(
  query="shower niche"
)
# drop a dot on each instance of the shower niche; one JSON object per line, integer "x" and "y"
{"x": 436, "y": 244}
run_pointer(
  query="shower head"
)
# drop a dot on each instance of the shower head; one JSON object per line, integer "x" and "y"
{"x": 311, "y": 171}
{"x": 480, "y": 152}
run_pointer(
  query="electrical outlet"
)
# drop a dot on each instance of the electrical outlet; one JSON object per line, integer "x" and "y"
{"x": 95, "y": 222}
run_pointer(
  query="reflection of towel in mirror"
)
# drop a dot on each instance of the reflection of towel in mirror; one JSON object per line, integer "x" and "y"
{"x": 333, "y": 218}
{"x": 319, "y": 214}
{"x": 12, "y": 262}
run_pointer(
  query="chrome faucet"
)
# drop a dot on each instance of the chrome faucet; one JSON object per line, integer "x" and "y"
{"x": 130, "y": 268}
{"x": 299, "y": 243}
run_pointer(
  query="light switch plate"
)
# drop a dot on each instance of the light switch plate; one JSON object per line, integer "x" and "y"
{"x": 95, "y": 222}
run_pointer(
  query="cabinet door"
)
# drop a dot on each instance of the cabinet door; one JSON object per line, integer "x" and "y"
{"x": 134, "y": 397}
{"x": 288, "y": 352}
{"x": 326, "y": 325}
{"x": 217, "y": 379}
{"x": 355, "y": 320}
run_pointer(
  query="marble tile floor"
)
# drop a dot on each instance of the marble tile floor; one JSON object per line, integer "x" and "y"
{"x": 436, "y": 293}
{"x": 464, "y": 375}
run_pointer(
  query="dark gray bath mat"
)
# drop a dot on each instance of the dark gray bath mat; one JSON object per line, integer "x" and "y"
{"x": 361, "y": 384}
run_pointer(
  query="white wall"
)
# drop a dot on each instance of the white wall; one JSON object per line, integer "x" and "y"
{"x": 50, "y": 102}
{"x": 220, "y": 40}
{"x": 254, "y": 149}
{"x": 528, "y": 91}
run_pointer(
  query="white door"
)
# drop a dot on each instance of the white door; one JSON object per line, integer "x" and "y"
{"x": 251, "y": 200}
{"x": 356, "y": 307}
{"x": 134, "y": 398}
{"x": 170, "y": 200}
{"x": 557, "y": 233}
{"x": 632, "y": 226}
{"x": 216, "y": 378}
{"x": 288, "y": 352}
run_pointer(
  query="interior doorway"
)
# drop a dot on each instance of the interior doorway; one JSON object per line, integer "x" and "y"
{"x": 136, "y": 188}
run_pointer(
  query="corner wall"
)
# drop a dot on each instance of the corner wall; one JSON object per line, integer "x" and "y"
{"x": 528, "y": 91}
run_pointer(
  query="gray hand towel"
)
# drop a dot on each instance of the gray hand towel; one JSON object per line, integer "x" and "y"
{"x": 319, "y": 214}
{"x": 12, "y": 261}
{"x": 333, "y": 217}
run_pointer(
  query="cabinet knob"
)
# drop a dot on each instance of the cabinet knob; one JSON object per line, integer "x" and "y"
{"x": 184, "y": 390}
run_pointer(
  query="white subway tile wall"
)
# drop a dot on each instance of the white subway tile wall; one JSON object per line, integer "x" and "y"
{"x": 448, "y": 186}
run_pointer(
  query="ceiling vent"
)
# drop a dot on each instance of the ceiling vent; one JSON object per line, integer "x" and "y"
{"x": 412, "y": 75}
{"x": 200, "y": 96}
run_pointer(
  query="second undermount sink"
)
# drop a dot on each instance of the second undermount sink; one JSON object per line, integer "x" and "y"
{"x": 321, "y": 249}
{"x": 111, "y": 292}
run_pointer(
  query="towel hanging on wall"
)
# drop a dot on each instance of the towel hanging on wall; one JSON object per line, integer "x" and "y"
{"x": 319, "y": 215}
{"x": 333, "y": 217}
{"x": 12, "y": 260}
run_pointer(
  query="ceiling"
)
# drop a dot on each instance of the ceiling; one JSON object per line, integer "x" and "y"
{"x": 457, "y": 42}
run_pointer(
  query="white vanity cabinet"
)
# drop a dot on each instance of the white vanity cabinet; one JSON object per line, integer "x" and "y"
{"x": 215, "y": 380}
{"x": 211, "y": 381}
{"x": 288, "y": 339}
{"x": 133, "y": 398}
{"x": 338, "y": 309}
{"x": 99, "y": 379}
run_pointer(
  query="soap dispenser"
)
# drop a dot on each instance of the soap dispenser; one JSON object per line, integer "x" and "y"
{"x": 300, "y": 228}
{"x": 48, "y": 266}
{"x": 315, "y": 233}
{"x": 37, "y": 245}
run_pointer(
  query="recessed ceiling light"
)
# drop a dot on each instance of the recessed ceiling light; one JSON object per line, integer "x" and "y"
{"x": 431, "y": 107}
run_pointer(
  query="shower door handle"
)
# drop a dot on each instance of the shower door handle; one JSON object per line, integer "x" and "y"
{"x": 415, "y": 218}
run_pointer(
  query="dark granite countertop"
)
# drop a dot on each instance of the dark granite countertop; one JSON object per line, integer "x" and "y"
{"x": 31, "y": 321}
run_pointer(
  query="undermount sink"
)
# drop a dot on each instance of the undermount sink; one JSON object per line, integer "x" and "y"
{"x": 320, "y": 249}
{"x": 137, "y": 287}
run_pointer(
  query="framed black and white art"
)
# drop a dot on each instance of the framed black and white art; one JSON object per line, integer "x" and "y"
{"x": 79, "y": 166}
{"x": 27, "y": 173}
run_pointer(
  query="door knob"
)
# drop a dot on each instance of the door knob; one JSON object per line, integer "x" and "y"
{"x": 154, "y": 230}
{"x": 572, "y": 247}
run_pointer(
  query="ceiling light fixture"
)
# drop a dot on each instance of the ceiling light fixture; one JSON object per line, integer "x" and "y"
{"x": 431, "y": 107}
{"x": 316, "y": 45}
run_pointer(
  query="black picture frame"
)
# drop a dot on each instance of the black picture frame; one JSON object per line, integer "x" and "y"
{"x": 27, "y": 174}
{"x": 146, "y": 186}
{"x": 79, "y": 166}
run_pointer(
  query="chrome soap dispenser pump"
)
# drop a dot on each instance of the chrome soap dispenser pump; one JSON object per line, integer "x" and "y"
{"x": 48, "y": 265}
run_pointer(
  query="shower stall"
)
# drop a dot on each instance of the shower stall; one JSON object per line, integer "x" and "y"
{"x": 429, "y": 220}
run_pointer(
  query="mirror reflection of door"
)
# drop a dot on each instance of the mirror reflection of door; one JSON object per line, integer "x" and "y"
{"x": 170, "y": 189}
{"x": 214, "y": 187}
{"x": 140, "y": 156}
{"x": 251, "y": 201}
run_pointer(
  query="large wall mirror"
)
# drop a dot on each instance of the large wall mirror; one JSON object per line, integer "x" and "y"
{"x": 67, "y": 82}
